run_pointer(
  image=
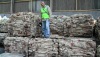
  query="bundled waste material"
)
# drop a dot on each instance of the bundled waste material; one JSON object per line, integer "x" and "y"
{"x": 31, "y": 47}
{"x": 22, "y": 24}
{"x": 27, "y": 23}
{"x": 16, "y": 45}
{"x": 43, "y": 47}
{"x": 40, "y": 47}
{"x": 98, "y": 51}
{"x": 77, "y": 47}
{"x": 75, "y": 25}
{"x": 60, "y": 25}
{"x": 82, "y": 25}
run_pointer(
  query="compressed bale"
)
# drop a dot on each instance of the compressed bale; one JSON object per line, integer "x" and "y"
{"x": 54, "y": 47}
{"x": 42, "y": 47}
{"x": 31, "y": 47}
{"x": 82, "y": 25}
{"x": 75, "y": 26}
{"x": 59, "y": 25}
{"x": 77, "y": 47}
{"x": 22, "y": 24}
{"x": 16, "y": 45}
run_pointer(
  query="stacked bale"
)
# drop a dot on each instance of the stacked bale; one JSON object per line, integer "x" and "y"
{"x": 16, "y": 45}
{"x": 77, "y": 47}
{"x": 75, "y": 25}
{"x": 31, "y": 47}
{"x": 82, "y": 25}
{"x": 43, "y": 48}
{"x": 28, "y": 24}
{"x": 60, "y": 25}
{"x": 22, "y": 24}
{"x": 39, "y": 47}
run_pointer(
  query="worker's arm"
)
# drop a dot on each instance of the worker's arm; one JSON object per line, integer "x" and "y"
{"x": 49, "y": 11}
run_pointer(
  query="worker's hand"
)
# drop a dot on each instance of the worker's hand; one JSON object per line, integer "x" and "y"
{"x": 40, "y": 24}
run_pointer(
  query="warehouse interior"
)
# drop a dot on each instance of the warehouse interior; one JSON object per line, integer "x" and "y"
{"x": 74, "y": 28}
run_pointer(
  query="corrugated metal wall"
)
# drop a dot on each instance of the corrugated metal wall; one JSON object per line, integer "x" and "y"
{"x": 5, "y": 8}
{"x": 98, "y": 4}
{"x": 5, "y": 0}
{"x": 85, "y": 4}
{"x": 64, "y": 5}
{"x": 24, "y": 6}
{"x": 21, "y": 7}
{"x": 74, "y": 4}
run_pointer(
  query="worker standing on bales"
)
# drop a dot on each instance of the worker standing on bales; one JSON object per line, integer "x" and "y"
{"x": 45, "y": 16}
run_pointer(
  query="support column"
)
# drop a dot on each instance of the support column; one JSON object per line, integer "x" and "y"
{"x": 51, "y": 4}
{"x": 76, "y": 5}
{"x": 31, "y": 6}
{"x": 12, "y": 7}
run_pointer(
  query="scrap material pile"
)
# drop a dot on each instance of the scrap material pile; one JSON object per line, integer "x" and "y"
{"x": 28, "y": 24}
{"x": 22, "y": 24}
{"x": 16, "y": 45}
{"x": 76, "y": 25}
{"x": 60, "y": 25}
{"x": 40, "y": 47}
{"x": 79, "y": 47}
{"x": 82, "y": 25}
{"x": 31, "y": 47}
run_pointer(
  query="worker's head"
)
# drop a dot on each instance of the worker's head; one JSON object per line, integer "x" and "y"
{"x": 42, "y": 4}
